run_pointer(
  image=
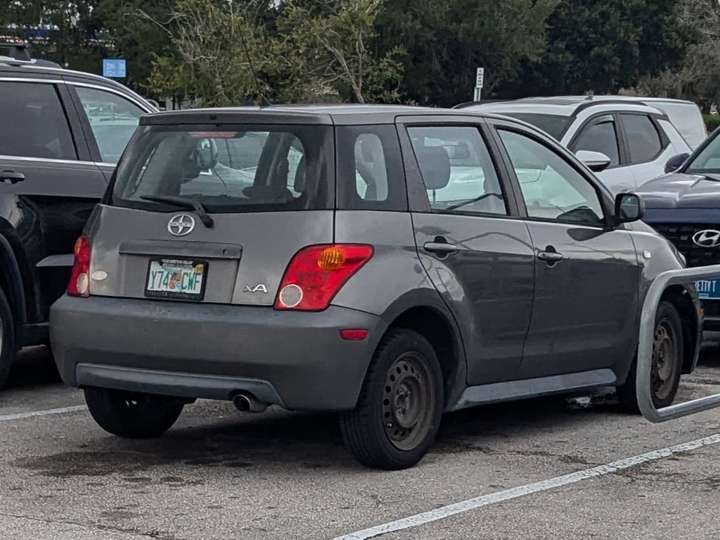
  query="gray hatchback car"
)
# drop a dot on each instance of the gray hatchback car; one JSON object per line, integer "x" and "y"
{"x": 389, "y": 263}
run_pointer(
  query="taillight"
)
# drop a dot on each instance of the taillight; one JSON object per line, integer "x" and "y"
{"x": 317, "y": 273}
{"x": 80, "y": 277}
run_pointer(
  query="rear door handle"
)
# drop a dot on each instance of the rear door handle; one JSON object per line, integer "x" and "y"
{"x": 550, "y": 256}
{"x": 441, "y": 248}
{"x": 11, "y": 176}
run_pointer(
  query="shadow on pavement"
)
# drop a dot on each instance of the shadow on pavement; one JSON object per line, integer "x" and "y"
{"x": 33, "y": 367}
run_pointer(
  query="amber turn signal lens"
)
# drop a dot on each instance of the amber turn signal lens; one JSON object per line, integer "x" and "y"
{"x": 332, "y": 258}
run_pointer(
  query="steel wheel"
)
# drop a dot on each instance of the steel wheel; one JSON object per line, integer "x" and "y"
{"x": 408, "y": 400}
{"x": 665, "y": 361}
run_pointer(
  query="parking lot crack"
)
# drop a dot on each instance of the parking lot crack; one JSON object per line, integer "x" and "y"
{"x": 160, "y": 535}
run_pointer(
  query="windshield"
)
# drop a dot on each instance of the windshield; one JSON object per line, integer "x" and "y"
{"x": 552, "y": 124}
{"x": 708, "y": 160}
{"x": 228, "y": 169}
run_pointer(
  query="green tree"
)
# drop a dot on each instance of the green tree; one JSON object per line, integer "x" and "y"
{"x": 329, "y": 48}
{"x": 603, "y": 47}
{"x": 135, "y": 31}
{"x": 697, "y": 77}
{"x": 72, "y": 28}
{"x": 445, "y": 40}
{"x": 222, "y": 48}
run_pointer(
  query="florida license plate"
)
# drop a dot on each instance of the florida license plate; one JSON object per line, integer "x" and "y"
{"x": 708, "y": 289}
{"x": 173, "y": 278}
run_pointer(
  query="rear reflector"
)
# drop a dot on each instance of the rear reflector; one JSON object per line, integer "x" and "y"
{"x": 80, "y": 277}
{"x": 317, "y": 273}
{"x": 354, "y": 334}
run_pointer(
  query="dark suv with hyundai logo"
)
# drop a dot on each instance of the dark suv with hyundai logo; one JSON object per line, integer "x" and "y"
{"x": 389, "y": 263}
{"x": 685, "y": 207}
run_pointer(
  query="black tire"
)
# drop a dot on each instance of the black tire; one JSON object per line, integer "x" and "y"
{"x": 401, "y": 403}
{"x": 131, "y": 415}
{"x": 8, "y": 343}
{"x": 667, "y": 364}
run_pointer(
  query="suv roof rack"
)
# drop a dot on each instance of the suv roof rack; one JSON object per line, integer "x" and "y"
{"x": 15, "y": 52}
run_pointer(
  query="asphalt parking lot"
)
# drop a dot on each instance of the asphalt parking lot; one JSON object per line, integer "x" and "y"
{"x": 532, "y": 469}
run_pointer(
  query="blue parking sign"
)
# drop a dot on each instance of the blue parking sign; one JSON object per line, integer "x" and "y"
{"x": 115, "y": 68}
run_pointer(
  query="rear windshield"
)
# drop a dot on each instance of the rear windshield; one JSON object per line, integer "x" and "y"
{"x": 228, "y": 169}
{"x": 552, "y": 124}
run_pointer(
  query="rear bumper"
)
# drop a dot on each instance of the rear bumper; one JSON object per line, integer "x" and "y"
{"x": 293, "y": 359}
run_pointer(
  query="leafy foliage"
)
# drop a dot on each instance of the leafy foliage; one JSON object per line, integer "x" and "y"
{"x": 418, "y": 51}
{"x": 604, "y": 46}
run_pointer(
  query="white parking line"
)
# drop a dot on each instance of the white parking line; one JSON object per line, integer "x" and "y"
{"x": 520, "y": 491}
{"x": 48, "y": 412}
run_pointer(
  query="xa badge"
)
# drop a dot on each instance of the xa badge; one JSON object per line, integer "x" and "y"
{"x": 181, "y": 225}
{"x": 257, "y": 288}
{"x": 707, "y": 239}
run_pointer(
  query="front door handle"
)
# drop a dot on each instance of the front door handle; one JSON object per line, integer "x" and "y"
{"x": 440, "y": 247}
{"x": 11, "y": 176}
{"x": 550, "y": 256}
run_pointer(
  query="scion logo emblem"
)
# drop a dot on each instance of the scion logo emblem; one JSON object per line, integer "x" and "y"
{"x": 256, "y": 289}
{"x": 181, "y": 225}
{"x": 708, "y": 239}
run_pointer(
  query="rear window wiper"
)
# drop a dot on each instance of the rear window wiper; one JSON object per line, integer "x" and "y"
{"x": 183, "y": 202}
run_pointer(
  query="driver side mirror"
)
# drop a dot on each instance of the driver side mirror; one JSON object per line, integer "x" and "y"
{"x": 629, "y": 207}
{"x": 595, "y": 161}
{"x": 675, "y": 162}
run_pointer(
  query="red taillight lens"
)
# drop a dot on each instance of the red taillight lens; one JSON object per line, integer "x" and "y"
{"x": 317, "y": 273}
{"x": 80, "y": 277}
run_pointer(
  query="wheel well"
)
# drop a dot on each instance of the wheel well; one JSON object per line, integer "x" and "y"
{"x": 678, "y": 296}
{"x": 436, "y": 328}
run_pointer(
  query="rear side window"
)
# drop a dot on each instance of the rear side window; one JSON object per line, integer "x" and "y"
{"x": 229, "y": 169}
{"x": 370, "y": 172}
{"x": 39, "y": 126}
{"x": 457, "y": 170}
{"x": 112, "y": 118}
{"x": 642, "y": 137}
{"x": 600, "y": 137}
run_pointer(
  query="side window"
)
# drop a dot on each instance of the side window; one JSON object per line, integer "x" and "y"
{"x": 457, "y": 169}
{"x": 551, "y": 187}
{"x": 112, "y": 118}
{"x": 371, "y": 173}
{"x": 600, "y": 136}
{"x": 642, "y": 138}
{"x": 39, "y": 125}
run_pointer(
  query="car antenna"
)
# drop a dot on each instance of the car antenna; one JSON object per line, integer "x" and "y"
{"x": 260, "y": 93}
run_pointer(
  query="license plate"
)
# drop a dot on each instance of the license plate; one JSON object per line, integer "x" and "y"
{"x": 172, "y": 278}
{"x": 708, "y": 289}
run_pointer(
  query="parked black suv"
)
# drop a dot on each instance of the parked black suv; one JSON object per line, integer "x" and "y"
{"x": 684, "y": 206}
{"x": 61, "y": 134}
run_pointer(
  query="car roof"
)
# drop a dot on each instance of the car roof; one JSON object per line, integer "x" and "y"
{"x": 345, "y": 114}
{"x": 564, "y": 105}
{"x": 36, "y": 70}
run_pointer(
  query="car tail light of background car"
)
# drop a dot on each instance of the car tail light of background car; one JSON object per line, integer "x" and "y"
{"x": 80, "y": 277}
{"x": 317, "y": 273}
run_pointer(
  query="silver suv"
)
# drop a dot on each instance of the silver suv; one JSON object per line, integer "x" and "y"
{"x": 390, "y": 263}
{"x": 627, "y": 141}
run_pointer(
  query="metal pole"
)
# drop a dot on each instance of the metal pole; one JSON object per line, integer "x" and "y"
{"x": 645, "y": 347}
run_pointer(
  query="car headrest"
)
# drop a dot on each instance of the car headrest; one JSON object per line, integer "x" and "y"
{"x": 299, "y": 183}
{"x": 435, "y": 166}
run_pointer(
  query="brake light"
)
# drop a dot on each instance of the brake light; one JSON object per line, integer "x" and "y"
{"x": 317, "y": 273}
{"x": 80, "y": 277}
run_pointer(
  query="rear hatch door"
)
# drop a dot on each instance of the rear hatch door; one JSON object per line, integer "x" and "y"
{"x": 213, "y": 213}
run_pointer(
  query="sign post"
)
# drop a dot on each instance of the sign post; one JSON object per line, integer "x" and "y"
{"x": 479, "y": 83}
{"x": 114, "y": 68}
